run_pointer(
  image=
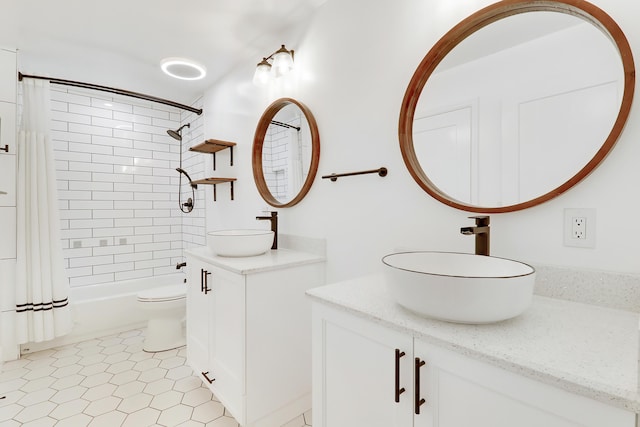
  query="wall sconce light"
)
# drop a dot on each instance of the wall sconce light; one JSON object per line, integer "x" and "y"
{"x": 281, "y": 64}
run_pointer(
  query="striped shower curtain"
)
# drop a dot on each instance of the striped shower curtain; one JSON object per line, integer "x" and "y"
{"x": 42, "y": 287}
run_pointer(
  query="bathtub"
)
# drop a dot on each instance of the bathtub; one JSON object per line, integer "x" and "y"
{"x": 104, "y": 309}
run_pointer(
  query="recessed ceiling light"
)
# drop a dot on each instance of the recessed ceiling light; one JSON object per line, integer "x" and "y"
{"x": 183, "y": 68}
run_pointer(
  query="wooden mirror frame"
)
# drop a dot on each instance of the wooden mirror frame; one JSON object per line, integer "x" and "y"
{"x": 477, "y": 21}
{"x": 258, "y": 142}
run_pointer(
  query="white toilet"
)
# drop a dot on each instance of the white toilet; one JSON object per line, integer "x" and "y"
{"x": 166, "y": 307}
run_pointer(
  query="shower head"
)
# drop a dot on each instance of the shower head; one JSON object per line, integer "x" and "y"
{"x": 174, "y": 134}
{"x": 177, "y": 134}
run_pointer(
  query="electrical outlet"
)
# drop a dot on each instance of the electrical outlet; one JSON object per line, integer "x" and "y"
{"x": 580, "y": 228}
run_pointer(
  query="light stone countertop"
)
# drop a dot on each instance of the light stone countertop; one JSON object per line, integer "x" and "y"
{"x": 584, "y": 349}
{"x": 271, "y": 260}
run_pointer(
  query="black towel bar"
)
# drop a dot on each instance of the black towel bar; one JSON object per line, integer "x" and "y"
{"x": 334, "y": 177}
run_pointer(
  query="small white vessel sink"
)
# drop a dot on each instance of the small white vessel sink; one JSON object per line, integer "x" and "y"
{"x": 458, "y": 287}
{"x": 240, "y": 243}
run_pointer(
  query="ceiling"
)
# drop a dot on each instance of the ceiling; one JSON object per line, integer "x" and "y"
{"x": 120, "y": 43}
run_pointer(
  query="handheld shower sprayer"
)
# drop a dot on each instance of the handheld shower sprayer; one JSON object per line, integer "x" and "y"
{"x": 187, "y": 206}
{"x": 188, "y": 177}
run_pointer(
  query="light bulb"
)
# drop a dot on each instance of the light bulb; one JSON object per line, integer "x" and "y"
{"x": 262, "y": 74}
{"x": 282, "y": 62}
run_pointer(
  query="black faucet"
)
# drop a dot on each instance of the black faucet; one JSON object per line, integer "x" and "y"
{"x": 482, "y": 233}
{"x": 180, "y": 265}
{"x": 274, "y": 227}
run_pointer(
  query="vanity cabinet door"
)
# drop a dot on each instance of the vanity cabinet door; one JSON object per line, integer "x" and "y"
{"x": 462, "y": 392}
{"x": 199, "y": 307}
{"x": 216, "y": 331}
{"x": 227, "y": 337}
{"x": 354, "y": 372}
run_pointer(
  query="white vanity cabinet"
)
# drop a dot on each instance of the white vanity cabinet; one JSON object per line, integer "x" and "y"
{"x": 368, "y": 374}
{"x": 249, "y": 331}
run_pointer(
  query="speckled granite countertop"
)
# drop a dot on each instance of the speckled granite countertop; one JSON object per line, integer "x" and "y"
{"x": 584, "y": 349}
{"x": 270, "y": 260}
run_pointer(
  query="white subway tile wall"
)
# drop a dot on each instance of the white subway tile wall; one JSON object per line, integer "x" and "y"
{"x": 118, "y": 187}
{"x": 275, "y": 158}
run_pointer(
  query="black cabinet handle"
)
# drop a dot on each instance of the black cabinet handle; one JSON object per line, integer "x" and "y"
{"x": 204, "y": 287}
{"x": 398, "y": 390}
{"x": 418, "y": 401}
{"x": 207, "y": 289}
{"x": 210, "y": 381}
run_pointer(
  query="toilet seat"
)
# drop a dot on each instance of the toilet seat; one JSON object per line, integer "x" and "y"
{"x": 163, "y": 294}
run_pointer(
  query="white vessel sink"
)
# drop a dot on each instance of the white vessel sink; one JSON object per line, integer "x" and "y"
{"x": 457, "y": 287}
{"x": 240, "y": 243}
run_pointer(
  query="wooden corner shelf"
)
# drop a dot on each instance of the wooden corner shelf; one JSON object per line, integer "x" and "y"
{"x": 212, "y": 146}
{"x": 214, "y": 181}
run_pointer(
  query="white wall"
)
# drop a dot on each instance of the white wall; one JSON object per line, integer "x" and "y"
{"x": 352, "y": 69}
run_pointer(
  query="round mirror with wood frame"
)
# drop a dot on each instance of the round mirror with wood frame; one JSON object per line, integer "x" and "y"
{"x": 479, "y": 20}
{"x": 257, "y": 158}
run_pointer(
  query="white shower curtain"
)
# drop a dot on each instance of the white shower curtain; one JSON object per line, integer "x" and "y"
{"x": 294, "y": 164}
{"x": 42, "y": 287}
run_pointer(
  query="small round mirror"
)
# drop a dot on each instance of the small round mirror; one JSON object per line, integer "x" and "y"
{"x": 286, "y": 152}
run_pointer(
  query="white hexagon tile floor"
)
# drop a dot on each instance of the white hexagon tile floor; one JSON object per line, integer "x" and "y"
{"x": 109, "y": 382}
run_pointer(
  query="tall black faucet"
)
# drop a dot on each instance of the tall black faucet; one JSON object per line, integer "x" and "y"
{"x": 482, "y": 233}
{"x": 274, "y": 227}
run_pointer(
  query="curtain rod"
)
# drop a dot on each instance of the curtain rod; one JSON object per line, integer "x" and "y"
{"x": 112, "y": 90}
{"x": 285, "y": 125}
